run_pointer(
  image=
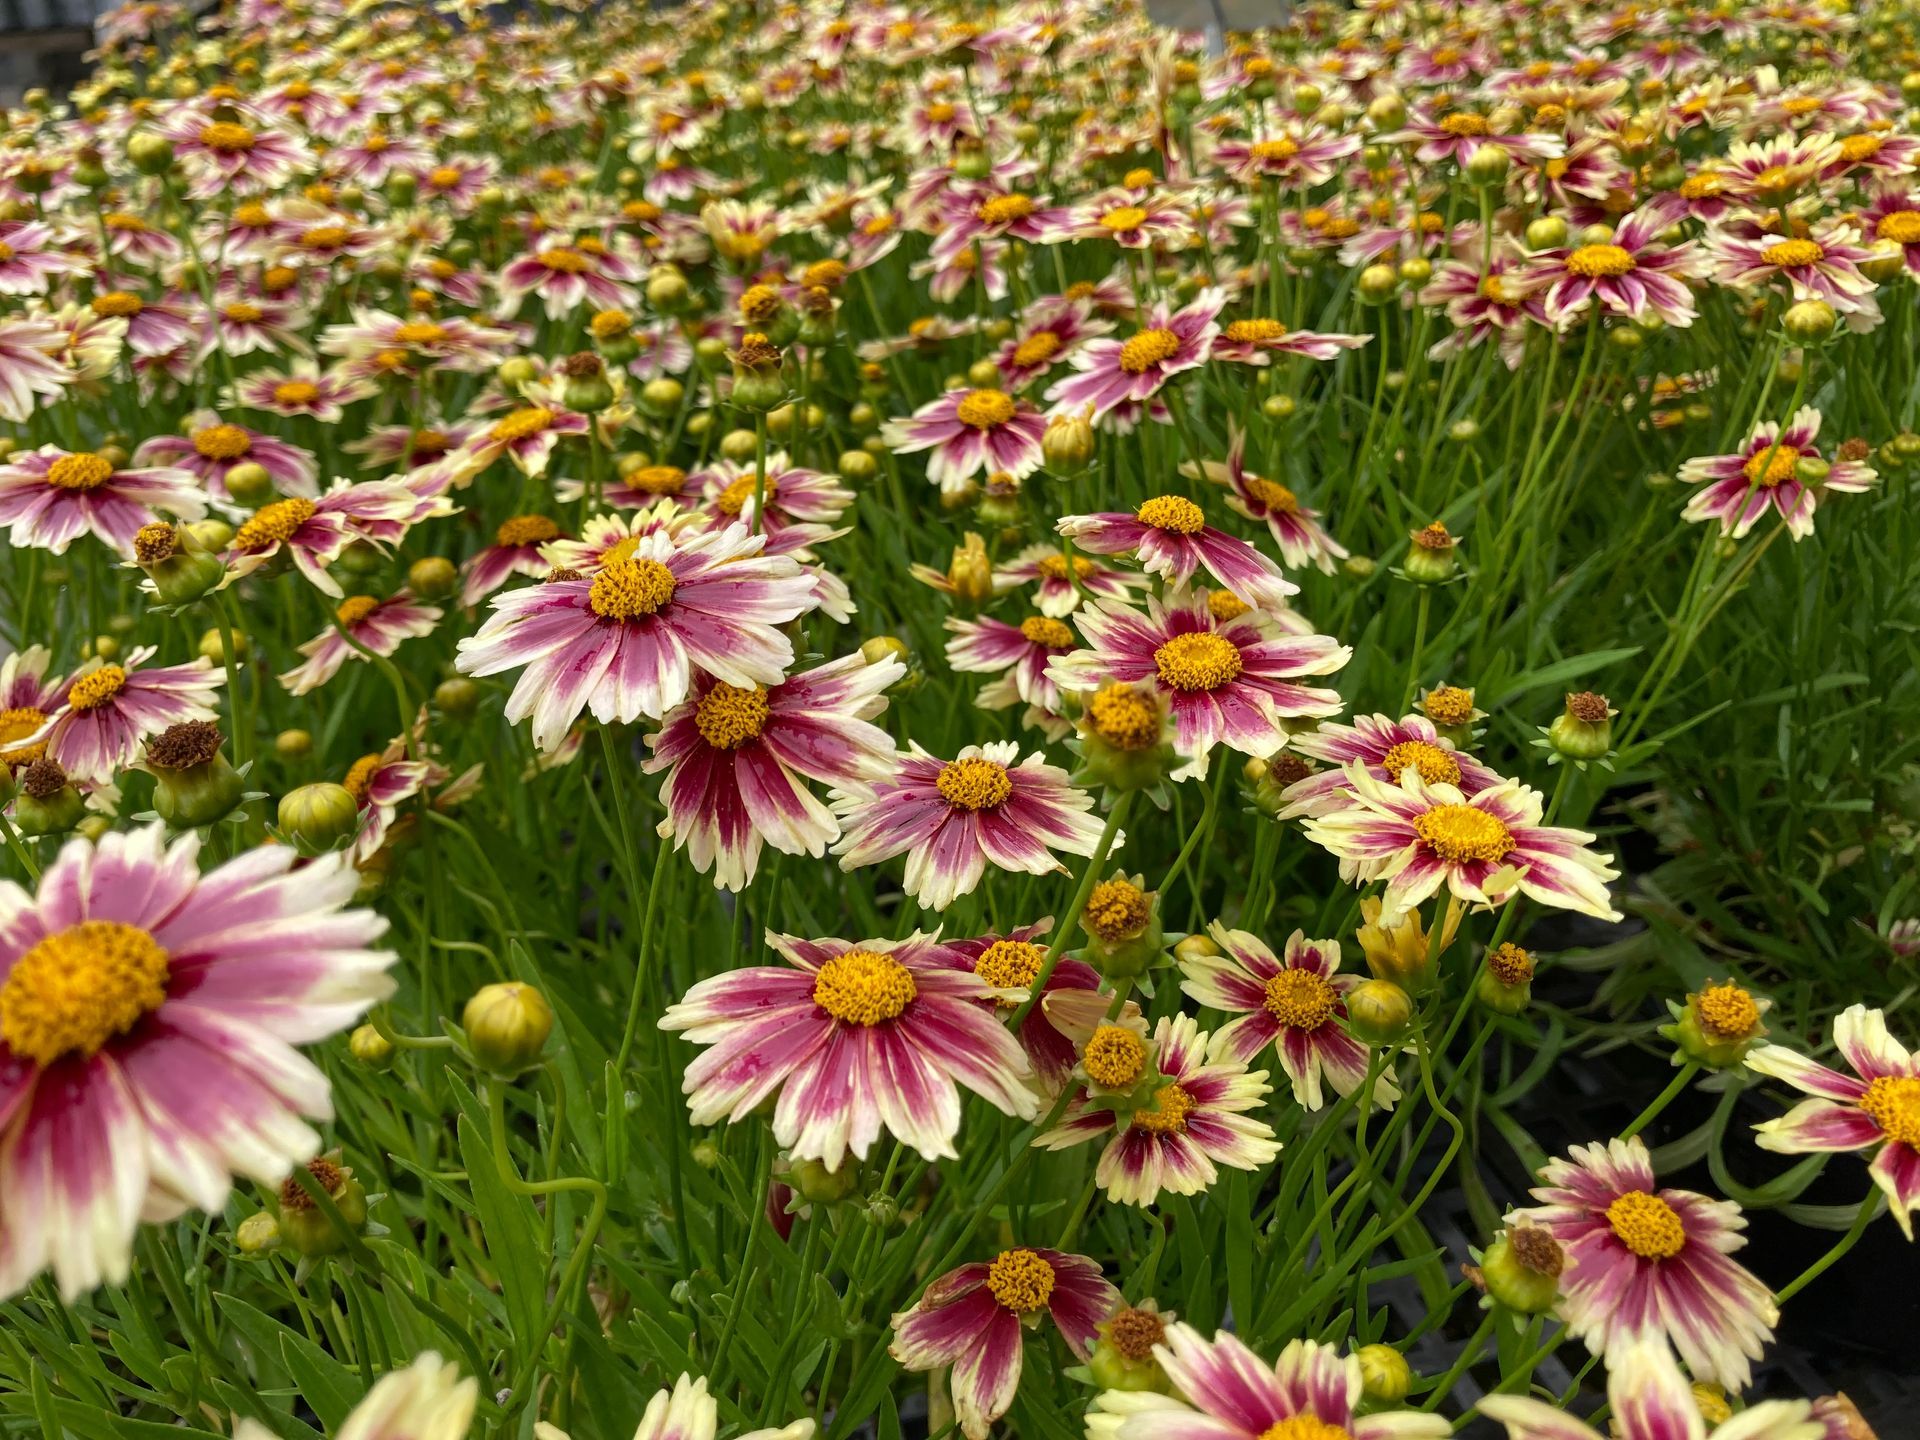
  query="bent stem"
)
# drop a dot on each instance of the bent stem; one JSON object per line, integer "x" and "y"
{"x": 1869, "y": 1207}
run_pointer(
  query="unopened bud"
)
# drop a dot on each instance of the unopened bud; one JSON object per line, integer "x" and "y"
{"x": 507, "y": 1026}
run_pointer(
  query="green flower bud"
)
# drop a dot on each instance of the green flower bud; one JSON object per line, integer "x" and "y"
{"x": 256, "y": 1234}
{"x": 293, "y": 744}
{"x": 1122, "y": 925}
{"x": 517, "y": 372}
{"x": 1809, "y": 322}
{"x": 1069, "y": 445}
{"x": 1385, "y": 1376}
{"x": 433, "y": 577}
{"x": 1279, "y": 407}
{"x": 1488, "y": 165}
{"x": 1549, "y": 232}
{"x": 319, "y": 817}
{"x": 1377, "y": 284}
{"x": 1505, "y": 982}
{"x": 1122, "y": 1357}
{"x": 818, "y": 1185}
{"x": 661, "y": 396}
{"x": 150, "y": 154}
{"x": 1378, "y": 1011}
{"x": 858, "y": 466}
{"x": 586, "y": 388}
{"x": 45, "y": 801}
{"x": 250, "y": 483}
{"x": 1718, "y": 1025}
{"x": 1584, "y": 730}
{"x": 507, "y": 1026}
{"x": 308, "y": 1228}
{"x": 1430, "y": 557}
{"x": 370, "y": 1047}
{"x": 667, "y": 290}
{"x": 1123, "y": 740}
{"x": 457, "y": 698}
{"x": 192, "y": 782}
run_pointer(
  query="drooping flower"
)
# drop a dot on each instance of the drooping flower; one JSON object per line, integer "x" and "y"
{"x": 1256, "y": 341}
{"x": 517, "y": 549}
{"x": 313, "y": 533}
{"x": 1769, "y": 473}
{"x": 1020, "y": 655}
{"x": 379, "y": 783}
{"x": 107, "y": 711}
{"x": 211, "y": 447}
{"x": 50, "y": 497}
{"x": 1647, "y": 1263}
{"x": 372, "y": 623}
{"x": 1295, "y": 527}
{"x": 856, "y": 1038}
{"x": 969, "y": 431}
{"x": 1878, "y": 1105}
{"x": 148, "y": 1019}
{"x": 1060, "y": 585}
{"x": 1011, "y": 963}
{"x": 973, "y": 1319}
{"x": 28, "y": 698}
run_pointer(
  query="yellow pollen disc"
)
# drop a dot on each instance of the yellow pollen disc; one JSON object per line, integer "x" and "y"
{"x": 1299, "y": 999}
{"x": 728, "y": 716}
{"x": 1727, "y": 1012}
{"x": 975, "y": 784}
{"x": 525, "y": 530}
{"x": 443, "y": 177}
{"x": 1224, "y": 605}
{"x": 1042, "y": 630}
{"x": 1036, "y": 349}
{"x": 1117, "y": 910}
{"x": 1127, "y": 217}
{"x": 355, "y": 608}
{"x": 80, "y": 987}
{"x": 877, "y": 226}
{"x": 129, "y": 224}
{"x": 1459, "y": 833}
{"x": 1647, "y": 1225}
{"x": 16, "y": 725}
{"x": 81, "y": 471}
{"x": 1010, "y": 964}
{"x": 223, "y": 137}
{"x": 1510, "y": 964}
{"x": 1341, "y": 227}
{"x": 273, "y": 524}
{"x": 123, "y": 303}
{"x": 1449, "y": 705}
{"x": 1242, "y": 332}
{"x": 1597, "y": 261}
{"x": 1793, "y": 253}
{"x": 1856, "y": 148}
{"x": 222, "y": 442}
{"x": 97, "y": 687}
{"x": 1901, "y": 226}
{"x": 1124, "y": 718}
{"x": 1114, "y": 1058}
{"x": 1703, "y": 187}
{"x": 326, "y": 237}
{"x": 733, "y": 499}
{"x": 1174, "y": 513}
{"x": 521, "y": 424}
{"x": 1771, "y": 466}
{"x": 940, "y": 112}
{"x": 1198, "y": 660}
{"x": 1054, "y": 567}
{"x": 1020, "y": 1280}
{"x": 1168, "y": 1113}
{"x": 360, "y": 774}
{"x": 1893, "y": 1103}
{"x": 252, "y": 215}
{"x": 1005, "y": 209}
{"x": 1273, "y": 495}
{"x": 1147, "y": 348}
{"x": 1434, "y": 765}
{"x": 630, "y": 589}
{"x": 1495, "y": 289}
{"x": 420, "y": 332}
{"x": 1305, "y": 1427}
{"x": 1281, "y": 149}
{"x": 296, "y": 392}
{"x": 1465, "y": 123}
{"x": 984, "y": 409}
{"x": 864, "y": 988}
{"x": 564, "y": 259}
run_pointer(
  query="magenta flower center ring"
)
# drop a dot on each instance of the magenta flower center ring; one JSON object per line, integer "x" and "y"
{"x": 1299, "y": 999}
{"x": 80, "y": 987}
{"x": 1148, "y": 348}
{"x": 1020, "y": 1280}
{"x": 1430, "y": 763}
{"x": 631, "y": 589}
{"x": 975, "y": 784}
{"x": 1459, "y": 833}
{"x": 728, "y": 716}
{"x": 1594, "y": 262}
{"x": 1199, "y": 660}
{"x": 984, "y": 409}
{"x": 1173, "y": 513}
{"x": 1647, "y": 1225}
{"x": 1893, "y": 1103}
{"x": 81, "y": 471}
{"x": 862, "y": 987}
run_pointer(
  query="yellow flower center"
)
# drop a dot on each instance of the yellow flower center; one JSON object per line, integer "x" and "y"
{"x": 1449, "y": 705}
{"x": 1893, "y": 1103}
{"x": 1792, "y": 254}
{"x": 1054, "y": 567}
{"x": 521, "y": 424}
{"x": 1020, "y": 1280}
{"x": 1775, "y": 179}
{"x": 1299, "y": 999}
{"x": 1510, "y": 964}
{"x": 223, "y": 137}
{"x": 729, "y": 716}
{"x": 1434, "y": 765}
{"x": 1647, "y": 1225}
{"x": 1005, "y": 209}
{"x": 1199, "y": 660}
{"x": 443, "y": 177}
{"x": 273, "y": 524}
{"x": 526, "y": 530}
{"x": 1168, "y": 1113}
{"x": 984, "y": 409}
{"x": 1280, "y": 149}
{"x": 360, "y": 774}
{"x": 1115, "y": 1057}
{"x": 1124, "y": 718}
{"x": 252, "y": 215}
{"x": 1127, "y": 217}
{"x": 733, "y": 499}
{"x": 1704, "y": 186}
{"x": 122, "y": 303}
{"x": 97, "y": 687}
{"x": 355, "y": 608}
{"x": 564, "y": 259}
{"x": 1224, "y": 605}
{"x": 16, "y": 725}
{"x": 1596, "y": 261}
{"x": 1173, "y": 513}
{"x": 1305, "y": 1427}
{"x": 1856, "y": 148}
{"x": 1010, "y": 964}
{"x": 81, "y": 471}
{"x": 661, "y": 480}
{"x": 1252, "y": 331}
{"x": 1901, "y": 226}
{"x": 1117, "y": 910}
{"x": 863, "y": 988}
{"x": 296, "y": 392}
{"x": 1043, "y": 630}
{"x": 222, "y": 442}
{"x": 1273, "y": 495}
{"x": 1771, "y": 466}
{"x": 630, "y": 589}
{"x": 326, "y": 237}
{"x": 975, "y": 784}
{"x": 1036, "y": 349}
{"x": 78, "y": 988}
{"x": 128, "y": 224}
{"x": 1148, "y": 347}
{"x": 1458, "y": 833}
{"x": 1464, "y": 123}
{"x": 1727, "y": 1012}
{"x": 420, "y": 332}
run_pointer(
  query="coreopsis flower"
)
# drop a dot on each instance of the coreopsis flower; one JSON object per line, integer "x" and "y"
{"x": 566, "y": 277}
{"x": 686, "y": 1412}
{"x": 148, "y": 1021}
{"x": 1778, "y": 470}
{"x": 379, "y": 783}
{"x": 517, "y": 549}
{"x": 1293, "y": 156}
{"x": 624, "y": 641}
{"x": 1878, "y": 1105}
{"x": 1020, "y": 654}
{"x": 1193, "y": 1123}
{"x": 1295, "y": 528}
{"x": 738, "y": 759}
{"x": 893, "y": 1013}
{"x": 950, "y": 818}
{"x": 1224, "y": 1391}
{"x": 28, "y": 697}
{"x": 233, "y": 147}
{"x": 1011, "y": 963}
{"x": 212, "y": 447}
{"x": 973, "y": 1319}
{"x": 1651, "y": 1400}
{"x": 1498, "y": 304}
{"x": 1170, "y": 537}
{"x": 1822, "y": 265}
{"x": 1110, "y": 372}
{"x": 50, "y": 497}
{"x": 28, "y": 369}
{"x": 106, "y": 711}
{"x": 1632, "y": 274}
{"x": 312, "y": 533}
{"x": 1130, "y": 220}
{"x": 1455, "y": 134}
{"x": 969, "y": 431}
{"x": 372, "y": 624}
{"x": 1773, "y": 170}
{"x": 1892, "y": 221}
{"x": 1048, "y": 332}
{"x": 155, "y": 328}
{"x": 1647, "y": 1264}
{"x": 1484, "y": 848}
{"x": 1386, "y": 747}
{"x": 1225, "y": 682}
{"x": 526, "y": 436}
{"x": 29, "y": 260}
{"x": 302, "y": 389}
{"x": 428, "y": 1399}
{"x": 794, "y": 494}
{"x": 1257, "y": 341}
{"x": 1061, "y": 581}
{"x": 385, "y": 342}
{"x": 1295, "y": 1002}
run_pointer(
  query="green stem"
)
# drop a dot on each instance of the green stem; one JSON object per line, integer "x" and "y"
{"x": 1869, "y": 1207}
{"x": 1662, "y": 1100}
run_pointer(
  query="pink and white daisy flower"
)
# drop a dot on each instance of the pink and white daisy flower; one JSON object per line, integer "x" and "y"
{"x": 951, "y": 817}
{"x": 969, "y": 431}
{"x": 1386, "y": 747}
{"x": 107, "y": 711}
{"x": 1645, "y": 1263}
{"x": 1484, "y": 848}
{"x": 1170, "y": 537}
{"x": 526, "y": 436}
{"x": 1225, "y": 682}
{"x": 625, "y": 641}
{"x": 1129, "y": 219}
{"x": 1223, "y": 1391}
{"x": 1295, "y": 528}
{"x": 374, "y": 624}
{"x": 302, "y": 389}
{"x": 28, "y": 697}
{"x": 566, "y": 277}
{"x": 1631, "y": 275}
{"x": 1821, "y": 265}
{"x": 211, "y": 447}
{"x": 1296, "y": 1004}
{"x": 148, "y": 1052}
{"x": 427, "y": 1399}
{"x": 794, "y": 494}
{"x": 1294, "y": 156}
{"x": 1878, "y": 1105}
{"x": 990, "y": 647}
{"x": 30, "y": 261}
{"x": 50, "y": 497}
{"x": 227, "y": 147}
{"x": 1110, "y": 372}
{"x": 857, "y": 1038}
{"x": 1191, "y": 1125}
{"x": 519, "y": 546}
{"x": 378, "y": 784}
{"x": 1011, "y": 963}
{"x": 1892, "y": 221}
{"x": 1449, "y": 134}
{"x": 738, "y": 759}
{"x": 28, "y": 369}
{"x": 1061, "y": 581}
{"x": 1256, "y": 341}
{"x": 974, "y": 1319}
{"x": 1048, "y": 333}
{"x": 312, "y": 533}
{"x": 1766, "y": 474}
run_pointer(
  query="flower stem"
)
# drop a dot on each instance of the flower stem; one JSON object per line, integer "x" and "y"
{"x": 1869, "y": 1207}
{"x": 1663, "y": 1099}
